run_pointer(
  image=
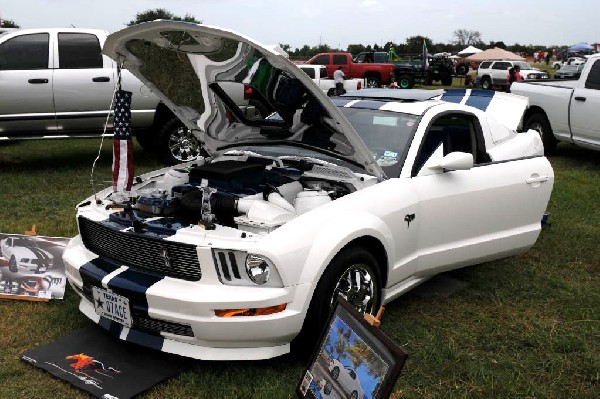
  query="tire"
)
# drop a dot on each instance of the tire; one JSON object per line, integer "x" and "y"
{"x": 540, "y": 123}
{"x": 175, "y": 143}
{"x": 352, "y": 261}
{"x": 486, "y": 83}
{"x": 146, "y": 141}
{"x": 447, "y": 80}
{"x": 462, "y": 69}
{"x": 12, "y": 264}
{"x": 405, "y": 81}
{"x": 428, "y": 81}
{"x": 327, "y": 388}
{"x": 373, "y": 81}
{"x": 354, "y": 395}
{"x": 335, "y": 373}
{"x": 331, "y": 92}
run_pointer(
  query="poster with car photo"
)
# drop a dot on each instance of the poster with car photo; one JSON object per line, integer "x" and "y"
{"x": 354, "y": 360}
{"x": 31, "y": 267}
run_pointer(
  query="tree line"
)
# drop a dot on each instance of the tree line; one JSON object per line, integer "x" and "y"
{"x": 413, "y": 44}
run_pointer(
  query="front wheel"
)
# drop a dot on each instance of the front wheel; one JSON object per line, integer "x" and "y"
{"x": 353, "y": 274}
{"x": 462, "y": 69}
{"x": 373, "y": 81}
{"x": 405, "y": 82}
{"x": 540, "y": 123}
{"x": 12, "y": 264}
{"x": 486, "y": 83}
{"x": 176, "y": 143}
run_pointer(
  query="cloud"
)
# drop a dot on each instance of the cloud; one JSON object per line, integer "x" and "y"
{"x": 370, "y": 3}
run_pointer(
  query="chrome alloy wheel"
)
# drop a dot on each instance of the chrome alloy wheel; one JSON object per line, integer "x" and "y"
{"x": 358, "y": 287}
{"x": 183, "y": 145}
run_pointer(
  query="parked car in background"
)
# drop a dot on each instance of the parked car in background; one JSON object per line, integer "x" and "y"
{"x": 494, "y": 73}
{"x": 569, "y": 61}
{"x": 375, "y": 73}
{"x": 569, "y": 71}
{"x": 55, "y": 83}
{"x": 318, "y": 73}
{"x": 239, "y": 253}
{"x": 565, "y": 111}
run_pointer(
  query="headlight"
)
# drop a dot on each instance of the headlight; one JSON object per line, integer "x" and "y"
{"x": 241, "y": 268}
{"x": 258, "y": 269}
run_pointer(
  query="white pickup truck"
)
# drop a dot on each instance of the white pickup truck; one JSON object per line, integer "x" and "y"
{"x": 55, "y": 83}
{"x": 566, "y": 111}
{"x": 318, "y": 73}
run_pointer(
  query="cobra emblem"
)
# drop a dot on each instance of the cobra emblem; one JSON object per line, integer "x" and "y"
{"x": 164, "y": 254}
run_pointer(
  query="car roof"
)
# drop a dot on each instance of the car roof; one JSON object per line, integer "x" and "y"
{"x": 394, "y": 94}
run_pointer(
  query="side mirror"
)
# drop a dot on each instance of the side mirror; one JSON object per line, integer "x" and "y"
{"x": 455, "y": 161}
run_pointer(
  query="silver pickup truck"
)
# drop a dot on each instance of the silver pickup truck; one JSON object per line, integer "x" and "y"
{"x": 55, "y": 83}
{"x": 566, "y": 111}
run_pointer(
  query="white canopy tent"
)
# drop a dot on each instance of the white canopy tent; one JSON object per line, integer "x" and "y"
{"x": 469, "y": 51}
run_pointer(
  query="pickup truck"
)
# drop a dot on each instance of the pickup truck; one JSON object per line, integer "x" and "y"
{"x": 318, "y": 73}
{"x": 565, "y": 110}
{"x": 409, "y": 69}
{"x": 375, "y": 74}
{"x": 55, "y": 83}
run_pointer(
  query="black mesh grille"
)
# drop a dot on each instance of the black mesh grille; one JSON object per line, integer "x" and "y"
{"x": 146, "y": 253}
{"x": 153, "y": 325}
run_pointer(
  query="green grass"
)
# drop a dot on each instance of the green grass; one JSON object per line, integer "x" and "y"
{"x": 524, "y": 327}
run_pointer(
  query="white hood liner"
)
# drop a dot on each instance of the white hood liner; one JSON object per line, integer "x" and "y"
{"x": 216, "y": 55}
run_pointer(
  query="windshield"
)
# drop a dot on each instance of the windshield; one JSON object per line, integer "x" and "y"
{"x": 523, "y": 65}
{"x": 386, "y": 134}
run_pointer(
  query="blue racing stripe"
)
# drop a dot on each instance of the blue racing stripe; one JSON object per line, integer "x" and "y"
{"x": 480, "y": 99}
{"x": 140, "y": 338}
{"x": 133, "y": 284}
{"x": 454, "y": 95}
{"x": 93, "y": 272}
{"x": 111, "y": 326}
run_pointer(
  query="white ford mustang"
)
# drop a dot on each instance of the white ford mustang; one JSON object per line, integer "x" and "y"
{"x": 236, "y": 254}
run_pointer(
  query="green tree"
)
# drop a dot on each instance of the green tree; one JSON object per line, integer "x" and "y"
{"x": 465, "y": 37}
{"x": 414, "y": 44}
{"x": 356, "y": 48}
{"x": 8, "y": 23}
{"x": 160, "y": 13}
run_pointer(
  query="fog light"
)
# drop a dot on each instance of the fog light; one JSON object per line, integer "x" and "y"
{"x": 258, "y": 269}
{"x": 250, "y": 311}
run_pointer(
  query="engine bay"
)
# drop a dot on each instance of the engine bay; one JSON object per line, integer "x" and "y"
{"x": 249, "y": 192}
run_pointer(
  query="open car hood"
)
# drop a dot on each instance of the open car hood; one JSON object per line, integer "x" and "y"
{"x": 223, "y": 85}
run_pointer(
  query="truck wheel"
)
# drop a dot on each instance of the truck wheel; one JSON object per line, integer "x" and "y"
{"x": 462, "y": 69}
{"x": 146, "y": 141}
{"x": 354, "y": 274}
{"x": 373, "y": 81}
{"x": 12, "y": 264}
{"x": 447, "y": 81}
{"x": 175, "y": 143}
{"x": 540, "y": 123}
{"x": 486, "y": 83}
{"x": 428, "y": 81}
{"x": 405, "y": 82}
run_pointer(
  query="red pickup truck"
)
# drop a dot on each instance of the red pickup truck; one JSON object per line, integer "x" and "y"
{"x": 375, "y": 74}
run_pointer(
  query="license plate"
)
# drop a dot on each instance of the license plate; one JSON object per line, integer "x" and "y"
{"x": 112, "y": 306}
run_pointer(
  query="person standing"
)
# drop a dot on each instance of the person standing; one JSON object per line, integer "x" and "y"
{"x": 338, "y": 78}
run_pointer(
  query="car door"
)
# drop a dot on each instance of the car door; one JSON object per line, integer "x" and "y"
{"x": 585, "y": 118}
{"x": 468, "y": 216}
{"x": 83, "y": 83}
{"x": 500, "y": 72}
{"x": 26, "y": 101}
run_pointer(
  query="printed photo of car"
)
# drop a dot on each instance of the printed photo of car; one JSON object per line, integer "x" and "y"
{"x": 346, "y": 377}
{"x": 24, "y": 256}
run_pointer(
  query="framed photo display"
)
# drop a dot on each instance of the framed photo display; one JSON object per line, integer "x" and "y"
{"x": 353, "y": 359}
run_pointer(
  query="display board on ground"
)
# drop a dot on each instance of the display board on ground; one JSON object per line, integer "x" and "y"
{"x": 353, "y": 360}
{"x": 93, "y": 361}
{"x": 31, "y": 267}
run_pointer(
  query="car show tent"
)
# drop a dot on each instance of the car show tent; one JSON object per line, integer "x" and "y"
{"x": 495, "y": 53}
{"x": 469, "y": 51}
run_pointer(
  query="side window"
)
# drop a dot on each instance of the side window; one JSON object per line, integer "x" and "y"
{"x": 360, "y": 58}
{"x": 323, "y": 73}
{"x": 79, "y": 51}
{"x": 485, "y": 65}
{"x": 321, "y": 60}
{"x": 25, "y": 52}
{"x": 309, "y": 71}
{"x": 451, "y": 133}
{"x": 340, "y": 59}
{"x": 503, "y": 66}
{"x": 593, "y": 78}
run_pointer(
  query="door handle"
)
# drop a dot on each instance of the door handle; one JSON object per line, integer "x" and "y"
{"x": 580, "y": 98}
{"x": 101, "y": 79}
{"x": 37, "y": 81}
{"x": 536, "y": 179}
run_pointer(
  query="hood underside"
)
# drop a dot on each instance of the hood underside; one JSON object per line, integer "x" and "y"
{"x": 223, "y": 86}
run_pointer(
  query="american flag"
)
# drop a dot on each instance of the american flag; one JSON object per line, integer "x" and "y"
{"x": 122, "y": 144}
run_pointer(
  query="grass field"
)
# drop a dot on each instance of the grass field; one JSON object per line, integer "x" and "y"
{"x": 524, "y": 327}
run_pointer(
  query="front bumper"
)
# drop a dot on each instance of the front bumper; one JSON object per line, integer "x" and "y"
{"x": 177, "y": 316}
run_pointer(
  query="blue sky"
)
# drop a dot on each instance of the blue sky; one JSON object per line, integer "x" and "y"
{"x": 337, "y": 22}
